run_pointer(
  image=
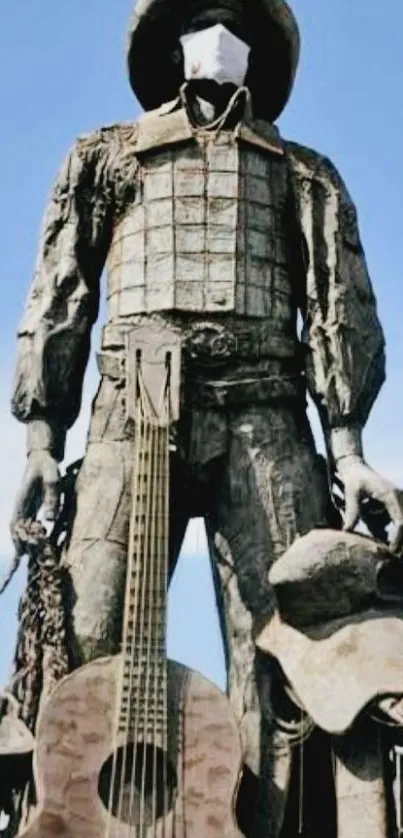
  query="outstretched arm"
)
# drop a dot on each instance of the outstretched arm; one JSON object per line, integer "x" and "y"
{"x": 54, "y": 335}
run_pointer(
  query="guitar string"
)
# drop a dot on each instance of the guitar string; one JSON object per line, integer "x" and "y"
{"x": 131, "y": 609}
{"x": 163, "y": 558}
{"x": 135, "y": 565}
{"x": 148, "y": 608}
{"x": 165, "y": 578}
{"x": 146, "y": 430}
{"x": 134, "y": 569}
{"x": 160, "y": 557}
{"x": 137, "y": 654}
{"x": 165, "y": 528}
{"x": 140, "y": 727}
{"x": 129, "y": 570}
{"x": 156, "y": 647}
{"x": 119, "y": 692}
{"x": 159, "y": 665}
{"x": 150, "y": 515}
{"x": 154, "y": 611}
{"x": 160, "y": 687}
{"x": 141, "y": 588}
{"x": 159, "y": 691}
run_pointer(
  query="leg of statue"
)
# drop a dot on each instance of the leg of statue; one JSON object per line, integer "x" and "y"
{"x": 361, "y": 797}
{"x": 272, "y": 489}
{"x": 96, "y": 558}
{"x": 97, "y": 554}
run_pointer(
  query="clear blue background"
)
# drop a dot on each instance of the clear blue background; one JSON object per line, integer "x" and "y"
{"x": 63, "y": 73}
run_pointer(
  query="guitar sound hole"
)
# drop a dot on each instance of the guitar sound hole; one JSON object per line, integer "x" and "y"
{"x": 142, "y": 796}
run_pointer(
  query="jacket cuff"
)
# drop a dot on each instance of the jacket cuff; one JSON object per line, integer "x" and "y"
{"x": 43, "y": 435}
{"x": 345, "y": 441}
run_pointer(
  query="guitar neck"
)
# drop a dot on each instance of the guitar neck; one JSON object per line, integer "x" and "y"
{"x": 153, "y": 374}
{"x": 143, "y": 698}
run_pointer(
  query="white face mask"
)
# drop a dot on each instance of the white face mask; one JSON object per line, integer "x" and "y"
{"x": 215, "y": 54}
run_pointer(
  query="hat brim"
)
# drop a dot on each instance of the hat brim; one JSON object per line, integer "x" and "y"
{"x": 155, "y": 60}
{"x": 337, "y": 669}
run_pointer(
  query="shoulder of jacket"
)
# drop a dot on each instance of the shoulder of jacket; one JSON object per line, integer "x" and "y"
{"x": 310, "y": 163}
{"x": 106, "y": 138}
{"x": 123, "y": 134}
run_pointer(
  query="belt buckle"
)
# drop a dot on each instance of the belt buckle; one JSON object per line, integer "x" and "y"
{"x": 210, "y": 344}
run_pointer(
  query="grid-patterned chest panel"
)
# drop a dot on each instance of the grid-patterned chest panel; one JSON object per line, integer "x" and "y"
{"x": 205, "y": 233}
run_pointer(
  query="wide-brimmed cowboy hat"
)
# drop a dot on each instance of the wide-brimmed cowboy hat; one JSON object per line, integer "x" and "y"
{"x": 338, "y": 629}
{"x": 267, "y": 26}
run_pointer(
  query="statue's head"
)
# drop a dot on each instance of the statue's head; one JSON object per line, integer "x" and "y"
{"x": 259, "y": 37}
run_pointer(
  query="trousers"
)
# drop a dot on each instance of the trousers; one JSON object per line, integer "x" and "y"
{"x": 254, "y": 475}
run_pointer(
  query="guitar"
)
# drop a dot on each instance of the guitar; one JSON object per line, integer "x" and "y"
{"x": 135, "y": 744}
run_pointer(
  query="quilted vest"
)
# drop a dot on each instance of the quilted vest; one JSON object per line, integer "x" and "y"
{"x": 207, "y": 229}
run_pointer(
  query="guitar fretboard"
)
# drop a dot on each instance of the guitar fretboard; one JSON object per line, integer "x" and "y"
{"x": 143, "y": 697}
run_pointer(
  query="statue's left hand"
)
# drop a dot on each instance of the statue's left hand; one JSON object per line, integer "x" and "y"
{"x": 361, "y": 483}
{"x": 40, "y": 488}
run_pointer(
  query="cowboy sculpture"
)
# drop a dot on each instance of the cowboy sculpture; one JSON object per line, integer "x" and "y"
{"x": 210, "y": 222}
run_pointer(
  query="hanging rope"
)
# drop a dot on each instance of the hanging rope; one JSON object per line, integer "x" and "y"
{"x": 241, "y": 96}
{"x": 41, "y": 657}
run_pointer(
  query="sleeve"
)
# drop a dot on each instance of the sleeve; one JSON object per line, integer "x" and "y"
{"x": 342, "y": 336}
{"x": 62, "y": 305}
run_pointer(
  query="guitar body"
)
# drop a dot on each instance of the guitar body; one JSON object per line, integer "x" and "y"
{"x": 137, "y": 746}
{"x": 75, "y": 739}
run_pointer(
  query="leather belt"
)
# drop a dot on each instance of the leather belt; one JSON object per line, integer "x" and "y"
{"x": 208, "y": 343}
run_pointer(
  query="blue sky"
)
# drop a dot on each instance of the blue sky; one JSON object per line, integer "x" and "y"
{"x": 63, "y": 74}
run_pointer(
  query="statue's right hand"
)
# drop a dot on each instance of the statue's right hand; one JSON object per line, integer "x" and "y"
{"x": 40, "y": 489}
